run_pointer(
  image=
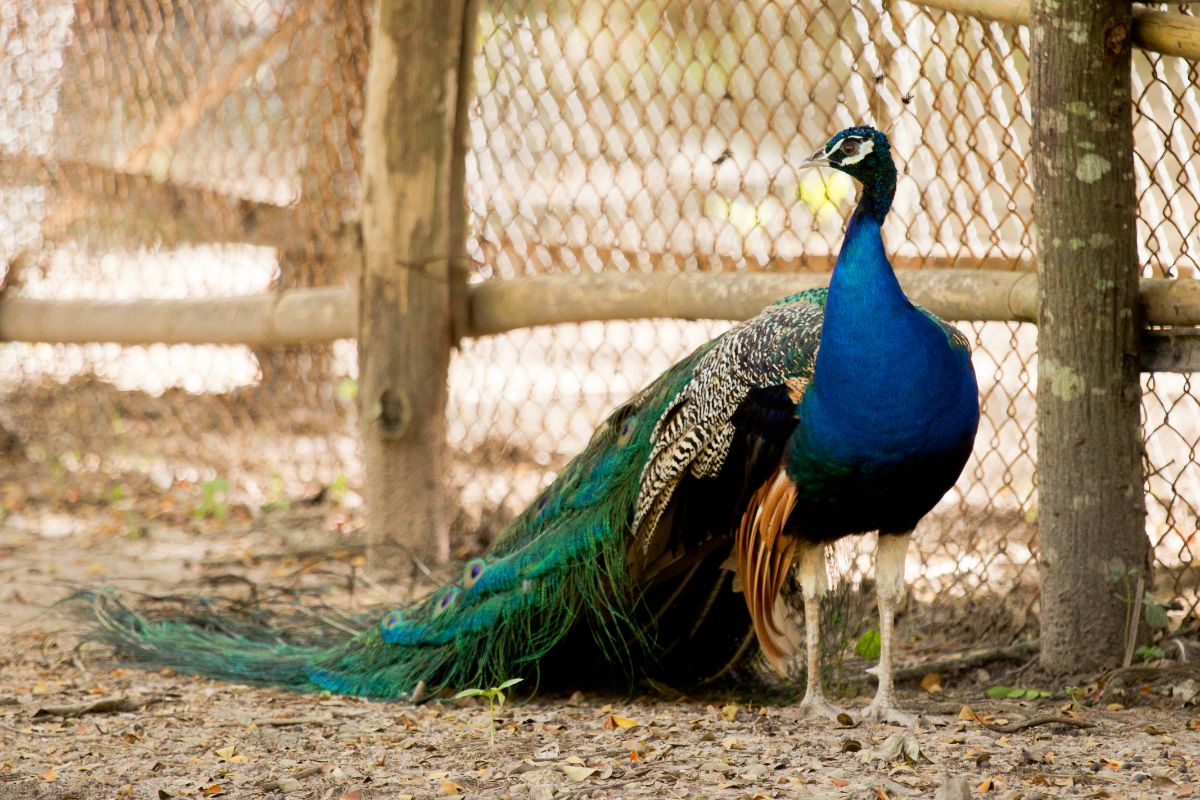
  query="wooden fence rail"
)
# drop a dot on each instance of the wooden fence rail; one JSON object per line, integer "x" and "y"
{"x": 1159, "y": 31}
{"x": 324, "y": 314}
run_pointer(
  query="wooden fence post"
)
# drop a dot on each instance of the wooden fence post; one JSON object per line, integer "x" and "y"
{"x": 1091, "y": 507}
{"x": 411, "y": 215}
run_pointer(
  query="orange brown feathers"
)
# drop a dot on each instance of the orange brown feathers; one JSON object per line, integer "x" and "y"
{"x": 763, "y": 555}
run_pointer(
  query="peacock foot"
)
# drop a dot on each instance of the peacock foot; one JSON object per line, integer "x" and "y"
{"x": 815, "y": 705}
{"x": 884, "y": 710}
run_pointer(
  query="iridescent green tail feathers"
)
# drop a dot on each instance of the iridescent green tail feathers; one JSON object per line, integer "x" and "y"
{"x": 556, "y": 576}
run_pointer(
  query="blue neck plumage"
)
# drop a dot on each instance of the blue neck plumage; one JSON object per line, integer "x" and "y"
{"x": 870, "y": 338}
{"x": 865, "y": 300}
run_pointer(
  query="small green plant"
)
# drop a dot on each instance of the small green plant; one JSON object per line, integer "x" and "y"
{"x": 868, "y": 645}
{"x": 495, "y": 697}
{"x": 1152, "y": 611}
{"x": 115, "y": 494}
{"x": 1155, "y": 613}
{"x": 1018, "y": 693}
{"x": 212, "y": 499}
{"x": 1150, "y": 653}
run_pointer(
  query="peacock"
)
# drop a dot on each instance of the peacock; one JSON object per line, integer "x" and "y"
{"x": 661, "y": 550}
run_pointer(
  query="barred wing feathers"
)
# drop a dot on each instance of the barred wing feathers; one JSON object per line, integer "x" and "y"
{"x": 743, "y": 391}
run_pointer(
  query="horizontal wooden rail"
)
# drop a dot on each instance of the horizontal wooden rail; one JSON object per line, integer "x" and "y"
{"x": 498, "y": 306}
{"x": 319, "y": 315}
{"x": 288, "y": 317}
{"x": 1158, "y": 31}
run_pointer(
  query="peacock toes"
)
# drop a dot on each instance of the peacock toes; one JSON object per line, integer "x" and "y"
{"x": 889, "y": 578}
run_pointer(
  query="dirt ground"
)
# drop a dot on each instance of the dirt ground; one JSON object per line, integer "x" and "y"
{"x": 160, "y": 735}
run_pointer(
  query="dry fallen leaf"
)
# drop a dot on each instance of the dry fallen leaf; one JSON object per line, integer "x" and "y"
{"x": 968, "y": 714}
{"x": 578, "y": 773}
{"x": 50, "y": 775}
{"x": 897, "y": 747}
{"x": 213, "y": 791}
{"x": 729, "y": 713}
{"x": 931, "y": 682}
{"x": 450, "y": 789}
{"x": 986, "y": 785}
{"x": 613, "y": 721}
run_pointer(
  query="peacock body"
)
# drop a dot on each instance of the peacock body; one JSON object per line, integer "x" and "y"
{"x": 662, "y": 547}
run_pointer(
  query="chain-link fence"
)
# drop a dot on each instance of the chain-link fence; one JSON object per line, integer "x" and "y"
{"x": 200, "y": 149}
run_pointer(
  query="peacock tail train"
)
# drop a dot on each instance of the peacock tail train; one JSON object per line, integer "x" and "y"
{"x": 558, "y": 578}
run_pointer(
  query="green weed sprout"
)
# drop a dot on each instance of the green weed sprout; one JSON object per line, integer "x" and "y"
{"x": 495, "y": 697}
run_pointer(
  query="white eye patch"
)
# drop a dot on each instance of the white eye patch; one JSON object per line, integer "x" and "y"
{"x": 865, "y": 146}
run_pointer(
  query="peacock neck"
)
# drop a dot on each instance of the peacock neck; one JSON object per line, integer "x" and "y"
{"x": 869, "y": 326}
{"x": 865, "y": 298}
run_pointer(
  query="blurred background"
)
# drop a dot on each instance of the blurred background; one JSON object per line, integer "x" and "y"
{"x": 156, "y": 149}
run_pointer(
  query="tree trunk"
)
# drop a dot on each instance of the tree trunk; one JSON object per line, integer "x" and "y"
{"x": 1092, "y": 512}
{"x": 410, "y": 203}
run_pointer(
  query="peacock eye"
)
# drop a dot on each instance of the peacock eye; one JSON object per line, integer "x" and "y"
{"x": 850, "y": 147}
{"x": 472, "y": 572}
{"x": 445, "y": 602}
{"x": 392, "y": 619}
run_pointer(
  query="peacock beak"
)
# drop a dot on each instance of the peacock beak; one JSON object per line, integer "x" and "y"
{"x": 817, "y": 159}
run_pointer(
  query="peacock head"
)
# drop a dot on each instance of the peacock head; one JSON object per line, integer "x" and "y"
{"x": 864, "y": 154}
{"x": 861, "y": 152}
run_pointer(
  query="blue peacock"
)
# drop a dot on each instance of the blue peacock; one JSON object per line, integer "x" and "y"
{"x": 662, "y": 548}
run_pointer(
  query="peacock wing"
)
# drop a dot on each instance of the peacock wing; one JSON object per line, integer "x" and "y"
{"x": 723, "y": 434}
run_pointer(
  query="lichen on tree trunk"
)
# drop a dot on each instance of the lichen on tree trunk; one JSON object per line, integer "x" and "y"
{"x": 410, "y": 250}
{"x": 1090, "y": 475}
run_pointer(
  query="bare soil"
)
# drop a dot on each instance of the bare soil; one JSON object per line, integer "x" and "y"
{"x": 193, "y": 738}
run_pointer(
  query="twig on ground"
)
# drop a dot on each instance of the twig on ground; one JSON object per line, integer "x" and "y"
{"x": 107, "y": 705}
{"x": 1033, "y": 722}
{"x": 283, "y": 722}
{"x": 272, "y": 784}
{"x": 949, "y": 666}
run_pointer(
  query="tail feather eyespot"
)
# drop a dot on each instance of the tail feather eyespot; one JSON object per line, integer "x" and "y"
{"x": 446, "y": 600}
{"x": 473, "y": 571}
{"x": 391, "y": 620}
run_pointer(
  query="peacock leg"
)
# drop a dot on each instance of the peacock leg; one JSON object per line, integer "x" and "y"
{"x": 813, "y": 584}
{"x": 889, "y": 579}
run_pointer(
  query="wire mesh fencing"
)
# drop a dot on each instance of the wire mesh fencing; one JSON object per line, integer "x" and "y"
{"x": 156, "y": 150}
